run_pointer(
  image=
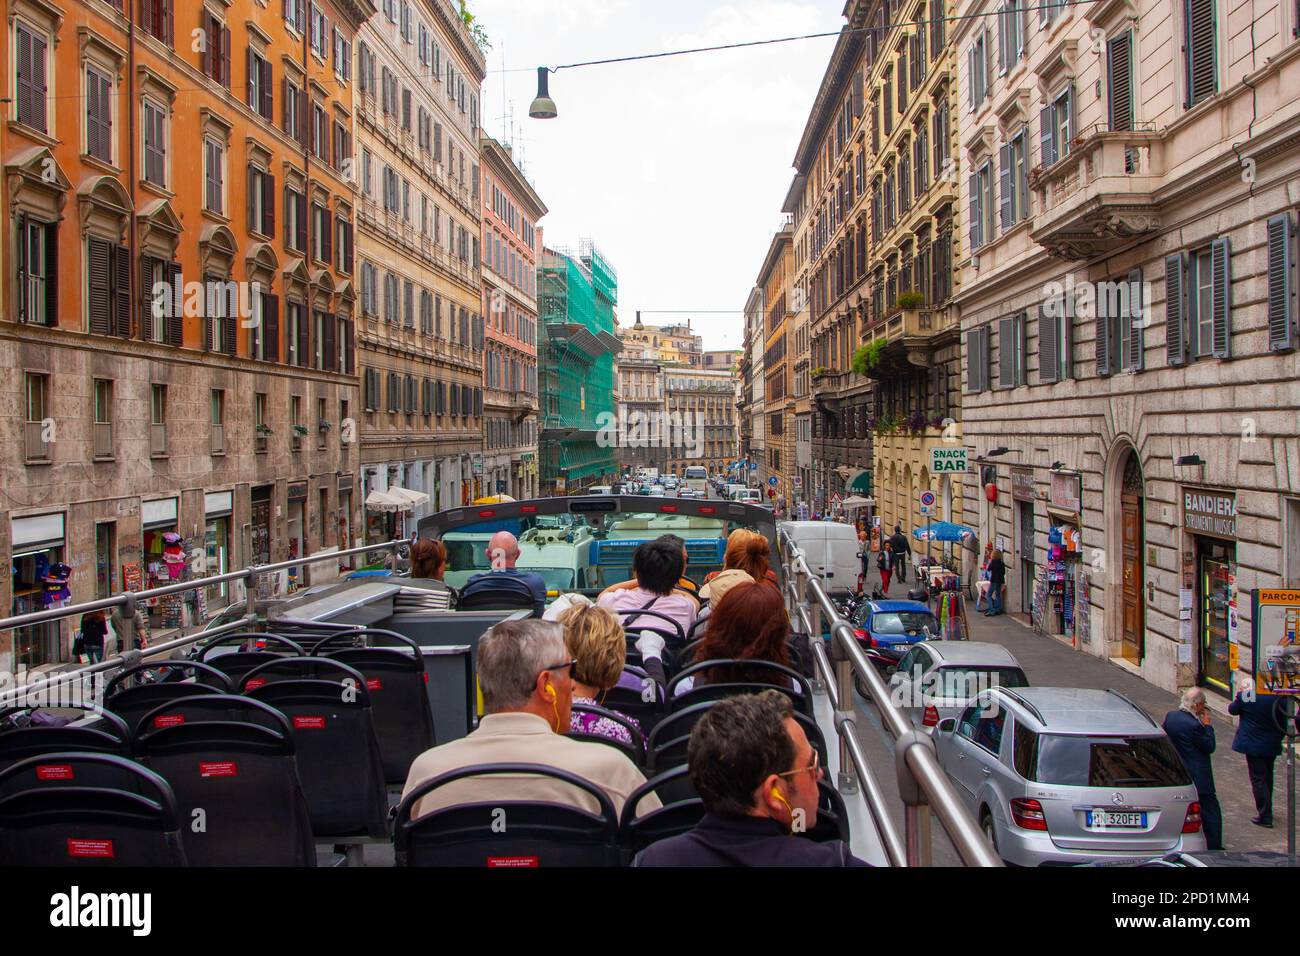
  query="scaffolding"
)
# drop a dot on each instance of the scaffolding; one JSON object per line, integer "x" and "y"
{"x": 576, "y": 349}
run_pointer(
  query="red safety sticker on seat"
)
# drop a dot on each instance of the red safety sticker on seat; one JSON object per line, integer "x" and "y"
{"x": 54, "y": 771}
{"x": 309, "y": 723}
{"x": 218, "y": 768}
{"x": 169, "y": 720}
{"x": 98, "y": 849}
{"x": 373, "y": 683}
{"x": 255, "y": 683}
{"x": 513, "y": 861}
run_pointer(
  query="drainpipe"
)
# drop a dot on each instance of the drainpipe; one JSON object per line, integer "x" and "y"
{"x": 133, "y": 226}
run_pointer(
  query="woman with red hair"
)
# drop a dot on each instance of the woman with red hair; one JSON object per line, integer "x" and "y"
{"x": 746, "y": 551}
{"x": 748, "y": 623}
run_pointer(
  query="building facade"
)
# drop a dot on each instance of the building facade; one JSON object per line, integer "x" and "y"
{"x": 511, "y": 210}
{"x": 775, "y": 280}
{"x": 1129, "y": 322}
{"x": 640, "y": 404}
{"x": 800, "y": 354}
{"x": 576, "y": 350}
{"x": 753, "y": 469}
{"x": 421, "y": 334}
{"x": 177, "y": 326}
{"x": 700, "y": 420}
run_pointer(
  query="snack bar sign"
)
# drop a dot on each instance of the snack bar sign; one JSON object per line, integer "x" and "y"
{"x": 947, "y": 461}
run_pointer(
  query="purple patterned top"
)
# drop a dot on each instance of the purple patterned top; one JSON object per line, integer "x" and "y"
{"x": 588, "y": 723}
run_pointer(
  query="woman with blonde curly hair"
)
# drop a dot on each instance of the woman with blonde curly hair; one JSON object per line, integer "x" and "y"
{"x": 595, "y": 638}
{"x": 746, "y": 551}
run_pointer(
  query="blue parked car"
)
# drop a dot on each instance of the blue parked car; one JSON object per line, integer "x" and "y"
{"x": 886, "y": 629}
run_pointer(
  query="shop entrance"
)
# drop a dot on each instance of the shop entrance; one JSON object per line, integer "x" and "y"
{"x": 1131, "y": 523}
{"x": 1216, "y": 570}
{"x": 1025, "y": 523}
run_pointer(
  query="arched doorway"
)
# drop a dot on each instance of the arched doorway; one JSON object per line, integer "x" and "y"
{"x": 1132, "y": 618}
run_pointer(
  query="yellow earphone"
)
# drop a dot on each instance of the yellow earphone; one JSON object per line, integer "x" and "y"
{"x": 555, "y": 708}
{"x": 777, "y": 794}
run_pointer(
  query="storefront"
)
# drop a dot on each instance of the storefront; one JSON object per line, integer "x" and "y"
{"x": 217, "y": 509}
{"x": 260, "y": 525}
{"x": 297, "y": 532}
{"x": 1060, "y": 587}
{"x": 40, "y": 582}
{"x": 165, "y": 560}
{"x": 1210, "y": 580}
{"x": 1022, "y": 496}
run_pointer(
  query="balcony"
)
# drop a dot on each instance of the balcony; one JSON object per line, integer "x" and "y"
{"x": 908, "y": 339}
{"x": 523, "y": 401}
{"x": 1101, "y": 195}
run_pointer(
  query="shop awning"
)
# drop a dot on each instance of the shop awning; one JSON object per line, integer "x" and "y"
{"x": 855, "y": 501}
{"x": 860, "y": 484}
{"x": 395, "y": 499}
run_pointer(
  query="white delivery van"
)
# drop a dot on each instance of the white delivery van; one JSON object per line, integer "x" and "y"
{"x": 599, "y": 490}
{"x": 749, "y": 496}
{"x": 732, "y": 488}
{"x": 831, "y": 551}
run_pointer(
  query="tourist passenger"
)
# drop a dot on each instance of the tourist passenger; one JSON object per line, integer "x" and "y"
{"x": 746, "y": 551}
{"x": 503, "y": 553}
{"x": 525, "y": 672}
{"x": 595, "y": 640}
{"x": 428, "y": 562}
{"x": 683, "y": 582}
{"x": 756, "y": 773}
{"x": 658, "y": 566}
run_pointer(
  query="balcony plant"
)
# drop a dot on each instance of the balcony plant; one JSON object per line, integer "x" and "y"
{"x": 915, "y": 423}
{"x": 300, "y": 430}
{"x": 323, "y": 425}
{"x": 867, "y": 357}
{"x": 911, "y": 299}
{"x": 264, "y": 430}
{"x": 888, "y": 424}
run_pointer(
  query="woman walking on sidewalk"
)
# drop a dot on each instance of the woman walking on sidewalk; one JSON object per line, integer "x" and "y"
{"x": 885, "y": 565}
{"x": 997, "y": 580}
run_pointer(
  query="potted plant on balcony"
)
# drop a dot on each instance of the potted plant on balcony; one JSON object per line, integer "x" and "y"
{"x": 915, "y": 423}
{"x": 867, "y": 358}
{"x": 323, "y": 425}
{"x": 300, "y": 431}
{"x": 911, "y": 299}
{"x": 264, "y": 430}
{"x": 887, "y": 424}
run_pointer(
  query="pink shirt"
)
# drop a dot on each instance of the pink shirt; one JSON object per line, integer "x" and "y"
{"x": 676, "y": 606}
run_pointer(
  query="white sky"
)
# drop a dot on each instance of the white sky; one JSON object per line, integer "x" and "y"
{"x": 676, "y": 167}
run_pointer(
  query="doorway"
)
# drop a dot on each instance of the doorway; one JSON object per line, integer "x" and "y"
{"x": 1215, "y": 572}
{"x": 1133, "y": 625}
{"x": 1025, "y": 525}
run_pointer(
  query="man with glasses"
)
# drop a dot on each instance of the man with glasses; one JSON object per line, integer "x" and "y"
{"x": 753, "y": 767}
{"x": 526, "y": 675}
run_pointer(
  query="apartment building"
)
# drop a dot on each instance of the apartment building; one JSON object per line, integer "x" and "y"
{"x": 700, "y": 421}
{"x": 641, "y": 406}
{"x": 421, "y": 331}
{"x": 774, "y": 277}
{"x": 177, "y": 319}
{"x": 753, "y": 372}
{"x": 511, "y": 239}
{"x": 1128, "y": 313}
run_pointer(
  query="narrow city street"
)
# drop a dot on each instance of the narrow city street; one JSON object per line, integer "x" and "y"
{"x": 1049, "y": 662}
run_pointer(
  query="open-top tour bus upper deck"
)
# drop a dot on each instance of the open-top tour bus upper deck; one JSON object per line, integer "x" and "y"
{"x": 311, "y": 778}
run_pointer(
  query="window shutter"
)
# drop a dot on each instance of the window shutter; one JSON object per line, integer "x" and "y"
{"x": 300, "y": 224}
{"x": 1176, "y": 308}
{"x": 225, "y": 57}
{"x": 26, "y": 90}
{"x": 1046, "y": 135}
{"x": 37, "y": 108}
{"x": 1005, "y": 186}
{"x": 976, "y": 240}
{"x": 1104, "y": 342}
{"x": 1221, "y": 296}
{"x": 1119, "y": 80}
{"x": 51, "y": 272}
{"x": 254, "y": 190}
{"x": 93, "y": 134}
{"x": 327, "y": 234}
{"x": 972, "y": 360}
{"x": 1136, "y": 320}
{"x": 971, "y": 60}
{"x": 147, "y": 319}
{"x": 174, "y": 322}
{"x": 271, "y": 332}
{"x": 268, "y": 100}
{"x": 1200, "y": 50}
{"x": 1004, "y": 22}
{"x": 251, "y": 70}
{"x": 268, "y": 204}
{"x": 230, "y": 323}
{"x": 1006, "y": 353}
{"x": 98, "y": 299}
{"x": 304, "y": 337}
{"x": 1049, "y": 357}
{"x": 122, "y": 291}
{"x": 331, "y": 348}
{"x": 1281, "y": 283}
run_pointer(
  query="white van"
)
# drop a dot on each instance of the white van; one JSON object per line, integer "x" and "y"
{"x": 732, "y": 488}
{"x": 599, "y": 490}
{"x": 749, "y": 496}
{"x": 831, "y": 551}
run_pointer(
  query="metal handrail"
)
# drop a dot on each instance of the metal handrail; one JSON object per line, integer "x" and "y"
{"x": 921, "y": 779}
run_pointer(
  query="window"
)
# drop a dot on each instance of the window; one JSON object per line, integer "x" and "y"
{"x": 981, "y": 205}
{"x": 99, "y": 115}
{"x": 1014, "y": 183}
{"x": 214, "y": 175}
{"x": 261, "y": 201}
{"x": 103, "y": 425}
{"x": 1119, "y": 80}
{"x": 1011, "y": 33}
{"x": 295, "y": 108}
{"x": 259, "y": 86}
{"x": 295, "y": 220}
{"x": 320, "y": 133}
{"x": 157, "y": 419}
{"x": 154, "y": 131}
{"x": 1201, "y": 302}
{"x": 31, "y": 72}
{"x": 343, "y": 245}
{"x": 295, "y": 335}
{"x": 108, "y": 287}
{"x": 1056, "y": 126}
{"x": 977, "y": 359}
{"x": 266, "y": 325}
{"x": 320, "y": 32}
{"x": 261, "y": 430}
{"x": 156, "y": 19}
{"x": 1011, "y": 351}
{"x": 217, "y": 413}
{"x": 1024, "y": 754}
{"x": 295, "y": 15}
{"x": 321, "y": 230}
{"x": 1198, "y": 299}
{"x": 977, "y": 67}
{"x": 39, "y": 430}
{"x": 1055, "y": 341}
{"x": 1199, "y": 41}
{"x": 215, "y": 53}
{"x": 321, "y": 417}
{"x": 342, "y": 57}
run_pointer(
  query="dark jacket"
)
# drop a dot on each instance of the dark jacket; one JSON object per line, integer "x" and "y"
{"x": 1194, "y": 742}
{"x": 744, "y": 841}
{"x": 514, "y": 579}
{"x": 93, "y": 632}
{"x": 1260, "y": 732}
{"x": 997, "y": 572}
{"x": 899, "y": 545}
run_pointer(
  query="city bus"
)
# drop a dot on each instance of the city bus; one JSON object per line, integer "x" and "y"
{"x": 697, "y": 479}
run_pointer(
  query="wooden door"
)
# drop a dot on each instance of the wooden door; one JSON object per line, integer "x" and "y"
{"x": 1132, "y": 578}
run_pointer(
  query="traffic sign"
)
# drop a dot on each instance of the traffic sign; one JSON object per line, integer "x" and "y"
{"x": 927, "y": 499}
{"x": 772, "y": 481}
{"x": 798, "y": 481}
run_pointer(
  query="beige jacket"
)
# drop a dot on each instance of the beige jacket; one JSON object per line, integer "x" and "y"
{"x": 525, "y": 738}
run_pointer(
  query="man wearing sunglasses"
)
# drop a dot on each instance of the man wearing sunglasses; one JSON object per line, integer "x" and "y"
{"x": 757, "y": 773}
{"x": 526, "y": 675}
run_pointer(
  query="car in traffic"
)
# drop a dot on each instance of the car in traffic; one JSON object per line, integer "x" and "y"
{"x": 670, "y": 482}
{"x": 748, "y": 496}
{"x": 937, "y": 679}
{"x": 1066, "y": 776}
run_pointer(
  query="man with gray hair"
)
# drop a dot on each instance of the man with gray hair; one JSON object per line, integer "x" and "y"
{"x": 526, "y": 675}
{"x": 1192, "y": 735}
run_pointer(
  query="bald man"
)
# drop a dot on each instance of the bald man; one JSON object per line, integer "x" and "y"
{"x": 502, "y": 554}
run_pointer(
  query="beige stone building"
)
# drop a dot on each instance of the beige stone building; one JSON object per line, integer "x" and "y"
{"x": 640, "y": 380}
{"x": 775, "y": 278}
{"x": 421, "y": 335}
{"x": 700, "y": 421}
{"x": 1128, "y": 313}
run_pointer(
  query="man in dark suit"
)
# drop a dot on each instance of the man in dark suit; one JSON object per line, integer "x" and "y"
{"x": 1259, "y": 738}
{"x": 1192, "y": 736}
{"x": 757, "y": 774}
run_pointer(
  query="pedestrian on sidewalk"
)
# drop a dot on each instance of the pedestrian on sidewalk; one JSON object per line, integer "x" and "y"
{"x": 1259, "y": 738}
{"x": 997, "y": 581}
{"x": 1192, "y": 735}
{"x": 902, "y": 552}
{"x": 885, "y": 565}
